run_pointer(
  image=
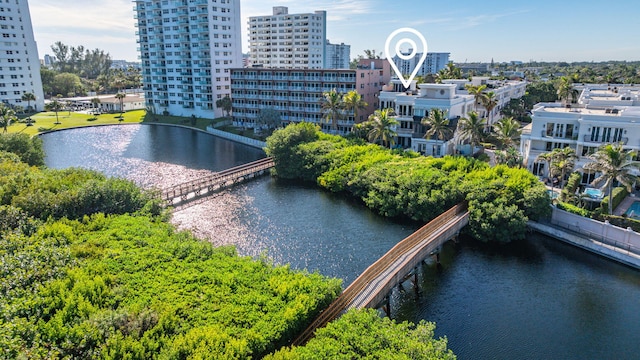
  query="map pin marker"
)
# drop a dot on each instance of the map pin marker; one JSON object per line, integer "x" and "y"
{"x": 398, "y": 52}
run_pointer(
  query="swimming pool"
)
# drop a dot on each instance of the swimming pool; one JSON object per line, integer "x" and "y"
{"x": 552, "y": 194}
{"x": 594, "y": 193}
{"x": 634, "y": 210}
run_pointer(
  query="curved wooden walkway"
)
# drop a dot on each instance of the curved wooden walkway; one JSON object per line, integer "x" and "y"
{"x": 373, "y": 285}
{"x": 206, "y": 185}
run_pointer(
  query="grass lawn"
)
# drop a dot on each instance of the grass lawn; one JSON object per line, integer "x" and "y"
{"x": 45, "y": 121}
{"x": 197, "y": 123}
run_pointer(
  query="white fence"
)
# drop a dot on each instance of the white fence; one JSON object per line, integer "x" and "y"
{"x": 625, "y": 239}
{"x": 237, "y": 138}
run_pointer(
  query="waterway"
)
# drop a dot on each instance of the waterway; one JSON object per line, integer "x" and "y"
{"x": 539, "y": 299}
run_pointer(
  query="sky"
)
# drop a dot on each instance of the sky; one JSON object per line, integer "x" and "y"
{"x": 503, "y": 30}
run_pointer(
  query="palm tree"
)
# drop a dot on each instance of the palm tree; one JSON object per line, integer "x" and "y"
{"x": 546, "y": 157}
{"x": 565, "y": 91}
{"x": 471, "y": 128}
{"x": 439, "y": 124}
{"x": 489, "y": 101}
{"x": 29, "y": 97}
{"x": 352, "y": 101}
{"x": 7, "y": 115}
{"x": 382, "y": 122}
{"x": 614, "y": 164}
{"x": 562, "y": 161}
{"x": 120, "y": 96}
{"x": 478, "y": 93}
{"x": 94, "y": 102}
{"x": 55, "y": 106}
{"x": 507, "y": 131}
{"x": 332, "y": 106}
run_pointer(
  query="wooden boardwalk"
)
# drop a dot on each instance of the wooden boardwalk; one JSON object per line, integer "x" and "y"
{"x": 194, "y": 189}
{"x": 377, "y": 281}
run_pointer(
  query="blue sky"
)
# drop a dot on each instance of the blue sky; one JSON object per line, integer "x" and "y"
{"x": 543, "y": 30}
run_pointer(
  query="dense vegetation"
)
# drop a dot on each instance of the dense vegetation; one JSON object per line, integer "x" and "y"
{"x": 77, "y": 70}
{"x": 90, "y": 268}
{"x": 404, "y": 184}
{"x": 386, "y": 340}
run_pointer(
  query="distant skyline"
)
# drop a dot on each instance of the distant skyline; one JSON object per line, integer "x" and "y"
{"x": 470, "y": 30}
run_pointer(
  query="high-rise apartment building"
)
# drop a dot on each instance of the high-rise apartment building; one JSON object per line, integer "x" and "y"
{"x": 434, "y": 62}
{"x": 186, "y": 49}
{"x": 19, "y": 62}
{"x": 338, "y": 56}
{"x": 288, "y": 41}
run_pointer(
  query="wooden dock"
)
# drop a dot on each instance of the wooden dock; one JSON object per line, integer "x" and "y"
{"x": 197, "y": 188}
{"x": 377, "y": 281}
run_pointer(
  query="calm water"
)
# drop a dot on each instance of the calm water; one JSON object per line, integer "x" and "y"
{"x": 538, "y": 300}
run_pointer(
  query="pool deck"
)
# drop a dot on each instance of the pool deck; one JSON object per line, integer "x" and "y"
{"x": 625, "y": 205}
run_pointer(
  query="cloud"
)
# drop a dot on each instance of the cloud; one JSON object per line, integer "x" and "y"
{"x": 483, "y": 19}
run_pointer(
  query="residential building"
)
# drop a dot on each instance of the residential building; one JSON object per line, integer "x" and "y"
{"x": 371, "y": 76}
{"x": 338, "y": 56}
{"x": 434, "y": 62}
{"x": 413, "y": 104}
{"x": 106, "y": 103}
{"x": 187, "y": 48}
{"x": 48, "y": 60}
{"x": 295, "y": 93}
{"x": 19, "y": 61}
{"x": 288, "y": 41}
{"x": 605, "y": 114}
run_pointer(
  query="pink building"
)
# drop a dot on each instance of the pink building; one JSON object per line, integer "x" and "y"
{"x": 371, "y": 76}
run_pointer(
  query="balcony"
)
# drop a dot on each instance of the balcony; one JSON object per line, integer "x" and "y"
{"x": 544, "y": 134}
{"x": 587, "y": 139}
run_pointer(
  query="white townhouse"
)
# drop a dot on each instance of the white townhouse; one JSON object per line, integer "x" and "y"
{"x": 413, "y": 104}
{"x": 605, "y": 114}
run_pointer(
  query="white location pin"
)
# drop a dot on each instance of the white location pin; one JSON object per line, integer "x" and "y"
{"x": 412, "y": 54}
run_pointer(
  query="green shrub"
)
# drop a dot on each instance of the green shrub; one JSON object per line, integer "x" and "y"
{"x": 619, "y": 193}
{"x": 623, "y": 222}
{"x": 573, "y": 209}
{"x": 364, "y": 334}
{"x": 568, "y": 193}
{"x": 29, "y": 149}
{"x": 403, "y": 184}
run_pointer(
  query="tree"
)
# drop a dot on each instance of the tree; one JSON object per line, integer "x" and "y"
{"x": 562, "y": 161}
{"x": 438, "y": 123}
{"x": 478, "y": 93}
{"x": 7, "y": 115}
{"x": 449, "y": 72}
{"x": 372, "y": 54}
{"x": 510, "y": 157}
{"x": 565, "y": 90}
{"x": 269, "y": 118}
{"x": 507, "y": 131}
{"x": 614, "y": 164}
{"x": 94, "y": 102}
{"x": 66, "y": 83}
{"x": 472, "y": 128}
{"x": 331, "y": 106}
{"x": 55, "y": 106}
{"x": 29, "y": 97}
{"x": 364, "y": 334}
{"x": 120, "y": 96}
{"x": 225, "y": 104}
{"x": 352, "y": 101}
{"x": 489, "y": 101}
{"x": 382, "y": 129}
